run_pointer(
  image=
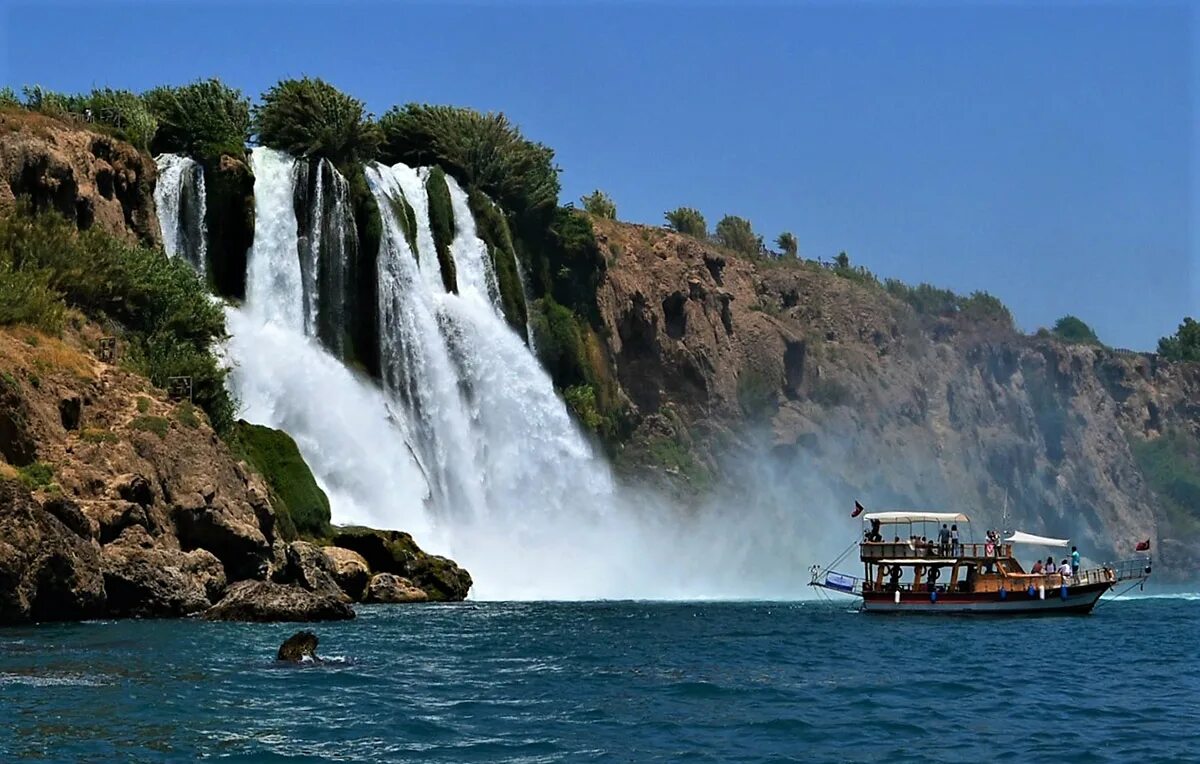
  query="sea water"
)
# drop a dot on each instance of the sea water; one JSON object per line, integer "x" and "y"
{"x": 614, "y": 681}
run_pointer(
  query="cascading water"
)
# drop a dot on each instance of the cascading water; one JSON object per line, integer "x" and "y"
{"x": 474, "y": 267}
{"x": 179, "y": 196}
{"x": 466, "y": 444}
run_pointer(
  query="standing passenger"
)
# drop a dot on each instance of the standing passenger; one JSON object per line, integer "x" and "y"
{"x": 954, "y": 546}
{"x": 1037, "y": 568}
{"x": 944, "y": 540}
{"x": 1075, "y": 561}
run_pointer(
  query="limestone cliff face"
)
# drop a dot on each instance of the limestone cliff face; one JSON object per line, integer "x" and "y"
{"x": 891, "y": 407}
{"x": 91, "y": 178}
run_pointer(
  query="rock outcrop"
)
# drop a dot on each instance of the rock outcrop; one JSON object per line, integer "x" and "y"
{"x": 350, "y": 570}
{"x": 395, "y": 552}
{"x": 48, "y": 572}
{"x": 390, "y": 588}
{"x": 836, "y": 378}
{"x": 87, "y": 176}
{"x": 267, "y": 601}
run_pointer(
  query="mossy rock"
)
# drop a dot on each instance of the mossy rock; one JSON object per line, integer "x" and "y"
{"x": 493, "y": 228}
{"x": 396, "y": 552}
{"x": 362, "y": 350}
{"x": 301, "y": 507}
{"x": 229, "y": 199}
{"x": 441, "y": 220}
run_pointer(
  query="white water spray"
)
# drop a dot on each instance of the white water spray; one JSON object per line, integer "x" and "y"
{"x": 179, "y": 196}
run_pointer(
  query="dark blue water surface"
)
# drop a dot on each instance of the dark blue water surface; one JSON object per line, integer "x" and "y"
{"x": 571, "y": 682}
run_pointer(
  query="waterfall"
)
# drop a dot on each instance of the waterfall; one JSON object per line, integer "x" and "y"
{"x": 474, "y": 267}
{"x": 179, "y": 197}
{"x": 464, "y": 441}
{"x": 328, "y": 248}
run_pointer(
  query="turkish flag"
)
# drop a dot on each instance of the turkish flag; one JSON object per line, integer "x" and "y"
{"x": 1142, "y": 546}
{"x": 858, "y": 509}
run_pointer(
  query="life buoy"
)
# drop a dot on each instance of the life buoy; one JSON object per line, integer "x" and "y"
{"x": 935, "y": 574}
{"x": 896, "y": 571}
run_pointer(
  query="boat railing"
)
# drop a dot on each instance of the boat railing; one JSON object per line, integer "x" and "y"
{"x": 1133, "y": 569}
{"x": 891, "y": 550}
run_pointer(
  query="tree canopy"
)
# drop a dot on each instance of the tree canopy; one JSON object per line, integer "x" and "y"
{"x": 600, "y": 204}
{"x": 1072, "y": 329}
{"x": 1184, "y": 344}
{"x": 687, "y": 220}
{"x": 311, "y": 118}
{"x": 737, "y": 234}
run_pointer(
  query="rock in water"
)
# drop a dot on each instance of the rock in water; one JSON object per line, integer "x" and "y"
{"x": 301, "y": 645}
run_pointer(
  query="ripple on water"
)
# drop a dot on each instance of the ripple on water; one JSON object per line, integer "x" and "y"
{"x": 568, "y": 682}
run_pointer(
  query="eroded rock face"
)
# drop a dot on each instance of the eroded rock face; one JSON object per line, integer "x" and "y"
{"x": 48, "y": 572}
{"x": 269, "y": 601}
{"x": 309, "y": 567}
{"x": 350, "y": 570}
{"x": 88, "y": 177}
{"x": 146, "y": 580}
{"x": 393, "y": 589}
{"x": 840, "y": 380}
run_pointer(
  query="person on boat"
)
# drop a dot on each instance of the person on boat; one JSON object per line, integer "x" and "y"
{"x": 944, "y": 540}
{"x": 1050, "y": 569}
{"x": 954, "y": 545}
{"x": 1064, "y": 570}
{"x": 1037, "y": 568}
{"x": 1075, "y": 560}
{"x": 989, "y": 551}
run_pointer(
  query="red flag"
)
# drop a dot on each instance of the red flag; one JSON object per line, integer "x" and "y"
{"x": 858, "y": 510}
{"x": 1142, "y": 546}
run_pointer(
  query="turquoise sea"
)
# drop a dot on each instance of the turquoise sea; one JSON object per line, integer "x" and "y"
{"x": 615, "y": 681}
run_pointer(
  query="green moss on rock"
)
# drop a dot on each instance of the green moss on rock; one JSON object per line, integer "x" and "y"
{"x": 441, "y": 220}
{"x": 229, "y": 199}
{"x": 301, "y": 507}
{"x": 493, "y": 229}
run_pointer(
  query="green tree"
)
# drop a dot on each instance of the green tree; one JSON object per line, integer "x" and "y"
{"x": 205, "y": 118}
{"x": 311, "y": 118}
{"x": 687, "y": 220}
{"x": 600, "y": 204}
{"x": 485, "y": 151}
{"x": 1072, "y": 329}
{"x": 842, "y": 261}
{"x": 1183, "y": 345}
{"x": 787, "y": 244}
{"x": 737, "y": 234}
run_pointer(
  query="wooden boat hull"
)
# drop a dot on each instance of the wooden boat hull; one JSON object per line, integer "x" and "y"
{"x": 1079, "y": 600}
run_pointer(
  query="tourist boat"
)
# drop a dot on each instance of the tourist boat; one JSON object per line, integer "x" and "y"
{"x": 910, "y": 575}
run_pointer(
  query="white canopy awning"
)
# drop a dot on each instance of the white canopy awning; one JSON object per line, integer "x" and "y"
{"x": 1021, "y": 537}
{"x": 913, "y": 516}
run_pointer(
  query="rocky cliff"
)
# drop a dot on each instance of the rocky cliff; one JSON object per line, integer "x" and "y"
{"x": 888, "y": 406}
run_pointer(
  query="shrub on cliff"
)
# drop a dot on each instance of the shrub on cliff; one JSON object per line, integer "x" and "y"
{"x": 737, "y": 234}
{"x": 493, "y": 229}
{"x": 600, "y": 204}
{"x": 1184, "y": 344}
{"x": 169, "y": 322}
{"x": 688, "y": 221}
{"x": 311, "y": 118}
{"x": 788, "y": 244}
{"x": 205, "y": 118}
{"x": 482, "y": 150}
{"x": 1171, "y": 466}
{"x": 1074, "y": 330}
{"x": 122, "y": 111}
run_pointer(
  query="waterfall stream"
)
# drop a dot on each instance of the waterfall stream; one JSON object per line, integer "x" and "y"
{"x": 179, "y": 196}
{"x": 463, "y": 441}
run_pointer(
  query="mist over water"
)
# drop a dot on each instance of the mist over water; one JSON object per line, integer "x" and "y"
{"x": 467, "y": 445}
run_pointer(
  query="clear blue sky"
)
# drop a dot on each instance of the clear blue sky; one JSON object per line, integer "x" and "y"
{"x": 1047, "y": 155}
